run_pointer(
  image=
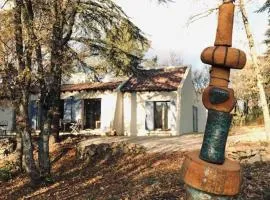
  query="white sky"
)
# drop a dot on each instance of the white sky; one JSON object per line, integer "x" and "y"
{"x": 165, "y": 26}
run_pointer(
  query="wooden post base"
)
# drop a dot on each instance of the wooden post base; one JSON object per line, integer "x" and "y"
{"x": 223, "y": 180}
{"x": 193, "y": 194}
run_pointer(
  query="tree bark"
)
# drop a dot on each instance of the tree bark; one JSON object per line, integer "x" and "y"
{"x": 43, "y": 154}
{"x": 55, "y": 93}
{"x": 25, "y": 130}
{"x": 55, "y": 125}
{"x": 55, "y": 69}
{"x": 45, "y": 123}
{"x": 19, "y": 149}
{"x": 257, "y": 68}
{"x": 61, "y": 34}
{"x": 24, "y": 82}
{"x": 43, "y": 143}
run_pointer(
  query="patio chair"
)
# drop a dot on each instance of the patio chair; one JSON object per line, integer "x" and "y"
{"x": 76, "y": 126}
{"x": 65, "y": 125}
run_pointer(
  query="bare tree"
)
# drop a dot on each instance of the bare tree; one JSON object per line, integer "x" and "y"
{"x": 200, "y": 78}
{"x": 256, "y": 64}
{"x": 173, "y": 60}
{"x": 257, "y": 68}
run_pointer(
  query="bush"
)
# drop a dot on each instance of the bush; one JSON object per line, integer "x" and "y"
{"x": 5, "y": 174}
{"x": 6, "y": 171}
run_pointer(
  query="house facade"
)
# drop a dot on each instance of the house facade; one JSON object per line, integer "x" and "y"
{"x": 155, "y": 102}
{"x": 95, "y": 105}
{"x": 162, "y": 102}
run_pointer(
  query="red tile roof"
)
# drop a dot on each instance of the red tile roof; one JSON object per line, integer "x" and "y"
{"x": 90, "y": 86}
{"x": 155, "y": 80}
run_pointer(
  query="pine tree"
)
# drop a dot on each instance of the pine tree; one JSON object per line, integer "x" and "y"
{"x": 46, "y": 37}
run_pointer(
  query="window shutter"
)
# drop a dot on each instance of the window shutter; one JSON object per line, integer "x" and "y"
{"x": 76, "y": 109}
{"x": 195, "y": 118}
{"x": 149, "y": 118}
{"x": 172, "y": 115}
{"x": 67, "y": 109}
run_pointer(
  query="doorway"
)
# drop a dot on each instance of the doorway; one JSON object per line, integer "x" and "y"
{"x": 92, "y": 113}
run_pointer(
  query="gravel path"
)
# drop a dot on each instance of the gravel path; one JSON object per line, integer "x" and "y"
{"x": 187, "y": 142}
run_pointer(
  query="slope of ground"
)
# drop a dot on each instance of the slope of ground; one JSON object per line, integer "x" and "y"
{"x": 150, "y": 175}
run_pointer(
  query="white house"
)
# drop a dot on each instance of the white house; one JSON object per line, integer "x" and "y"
{"x": 155, "y": 102}
{"x": 162, "y": 101}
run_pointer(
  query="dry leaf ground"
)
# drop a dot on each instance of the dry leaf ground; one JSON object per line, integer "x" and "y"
{"x": 147, "y": 176}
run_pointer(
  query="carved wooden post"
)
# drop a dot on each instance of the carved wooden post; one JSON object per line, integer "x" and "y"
{"x": 207, "y": 174}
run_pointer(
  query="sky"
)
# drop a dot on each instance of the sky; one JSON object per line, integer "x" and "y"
{"x": 166, "y": 27}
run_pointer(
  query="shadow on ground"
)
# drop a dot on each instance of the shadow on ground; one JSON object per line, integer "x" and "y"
{"x": 145, "y": 176}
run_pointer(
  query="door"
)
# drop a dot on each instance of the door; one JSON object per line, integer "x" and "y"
{"x": 92, "y": 112}
{"x": 195, "y": 119}
{"x": 161, "y": 115}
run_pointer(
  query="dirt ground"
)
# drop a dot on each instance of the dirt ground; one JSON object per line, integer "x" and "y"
{"x": 144, "y": 176}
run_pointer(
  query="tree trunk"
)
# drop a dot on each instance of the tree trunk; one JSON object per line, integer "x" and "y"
{"x": 25, "y": 130}
{"x": 56, "y": 111}
{"x": 55, "y": 126}
{"x": 55, "y": 91}
{"x": 24, "y": 53}
{"x": 55, "y": 68}
{"x": 257, "y": 67}
{"x": 43, "y": 153}
{"x": 18, "y": 150}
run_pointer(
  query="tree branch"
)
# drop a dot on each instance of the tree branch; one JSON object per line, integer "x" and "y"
{"x": 201, "y": 15}
{"x": 70, "y": 24}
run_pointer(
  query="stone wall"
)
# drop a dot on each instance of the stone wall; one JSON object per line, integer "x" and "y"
{"x": 249, "y": 152}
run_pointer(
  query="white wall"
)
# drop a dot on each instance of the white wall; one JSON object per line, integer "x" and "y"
{"x": 202, "y": 112}
{"x": 110, "y": 107}
{"x": 126, "y": 113}
{"x": 118, "y": 124}
{"x": 189, "y": 98}
{"x": 7, "y": 114}
{"x": 185, "y": 98}
{"x": 135, "y": 112}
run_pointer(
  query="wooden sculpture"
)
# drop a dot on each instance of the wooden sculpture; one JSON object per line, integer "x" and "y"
{"x": 207, "y": 174}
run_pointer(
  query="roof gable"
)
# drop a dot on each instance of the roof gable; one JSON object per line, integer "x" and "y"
{"x": 155, "y": 80}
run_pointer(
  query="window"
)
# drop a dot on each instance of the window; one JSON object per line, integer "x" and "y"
{"x": 158, "y": 115}
{"x": 68, "y": 114}
{"x": 161, "y": 115}
{"x": 70, "y": 109}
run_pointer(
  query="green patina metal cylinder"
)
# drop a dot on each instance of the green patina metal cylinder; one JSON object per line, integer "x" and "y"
{"x": 193, "y": 194}
{"x": 215, "y": 137}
